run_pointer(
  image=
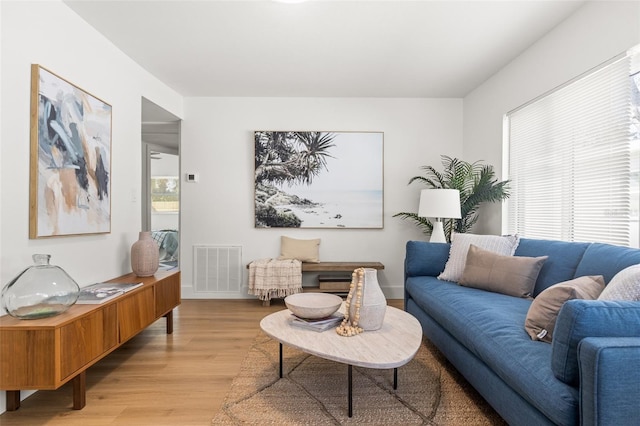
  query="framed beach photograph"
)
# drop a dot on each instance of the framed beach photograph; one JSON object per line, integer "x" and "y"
{"x": 313, "y": 179}
{"x": 70, "y": 167}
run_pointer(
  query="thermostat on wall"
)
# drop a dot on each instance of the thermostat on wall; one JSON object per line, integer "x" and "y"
{"x": 192, "y": 177}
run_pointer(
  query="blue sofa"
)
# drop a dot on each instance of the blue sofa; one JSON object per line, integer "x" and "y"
{"x": 588, "y": 375}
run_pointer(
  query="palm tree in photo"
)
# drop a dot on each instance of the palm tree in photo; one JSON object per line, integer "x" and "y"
{"x": 475, "y": 181}
{"x": 273, "y": 152}
{"x": 291, "y": 156}
{"x": 313, "y": 158}
{"x": 286, "y": 157}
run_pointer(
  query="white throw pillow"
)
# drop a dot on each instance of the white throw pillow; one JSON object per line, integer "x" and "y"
{"x": 460, "y": 243}
{"x": 625, "y": 285}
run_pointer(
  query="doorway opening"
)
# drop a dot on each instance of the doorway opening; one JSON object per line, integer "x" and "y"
{"x": 161, "y": 181}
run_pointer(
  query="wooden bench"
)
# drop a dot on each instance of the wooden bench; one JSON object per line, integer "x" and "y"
{"x": 332, "y": 267}
{"x": 339, "y": 266}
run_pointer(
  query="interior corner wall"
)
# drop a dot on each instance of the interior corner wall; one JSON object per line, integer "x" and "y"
{"x": 52, "y": 35}
{"x": 595, "y": 33}
{"x": 217, "y": 143}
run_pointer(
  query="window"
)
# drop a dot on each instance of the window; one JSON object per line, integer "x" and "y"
{"x": 573, "y": 159}
{"x": 165, "y": 197}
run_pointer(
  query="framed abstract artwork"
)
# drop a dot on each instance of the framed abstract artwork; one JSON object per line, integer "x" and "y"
{"x": 313, "y": 179}
{"x": 70, "y": 167}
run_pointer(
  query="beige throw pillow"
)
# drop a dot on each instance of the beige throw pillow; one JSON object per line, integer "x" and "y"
{"x": 543, "y": 312}
{"x": 511, "y": 275}
{"x": 460, "y": 243}
{"x": 303, "y": 250}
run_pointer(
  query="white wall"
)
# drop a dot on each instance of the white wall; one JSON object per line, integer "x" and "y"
{"x": 595, "y": 33}
{"x": 217, "y": 143}
{"x": 50, "y": 34}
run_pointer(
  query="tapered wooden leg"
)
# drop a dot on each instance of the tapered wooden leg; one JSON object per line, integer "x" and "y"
{"x": 169, "y": 317}
{"x": 79, "y": 391}
{"x": 13, "y": 400}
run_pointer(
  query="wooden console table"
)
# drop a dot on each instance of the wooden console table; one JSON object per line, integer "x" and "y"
{"x": 49, "y": 352}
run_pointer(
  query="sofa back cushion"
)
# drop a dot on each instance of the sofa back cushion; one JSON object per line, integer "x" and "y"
{"x": 564, "y": 258}
{"x": 425, "y": 259}
{"x": 607, "y": 260}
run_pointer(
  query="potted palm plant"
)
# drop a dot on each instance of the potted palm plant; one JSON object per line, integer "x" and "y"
{"x": 475, "y": 181}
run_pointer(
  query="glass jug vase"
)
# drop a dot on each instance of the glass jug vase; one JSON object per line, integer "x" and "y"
{"x": 42, "y": 290}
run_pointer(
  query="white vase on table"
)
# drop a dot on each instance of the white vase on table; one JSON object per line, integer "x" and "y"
{"x": 373, "y": 305}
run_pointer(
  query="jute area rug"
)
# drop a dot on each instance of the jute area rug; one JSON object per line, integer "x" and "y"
{"x": 313, "y": 391}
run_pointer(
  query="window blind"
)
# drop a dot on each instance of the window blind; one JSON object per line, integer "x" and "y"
{"x": 570, "y": 161}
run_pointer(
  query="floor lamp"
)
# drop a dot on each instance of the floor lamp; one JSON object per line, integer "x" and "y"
{"x": 439, "y": 204}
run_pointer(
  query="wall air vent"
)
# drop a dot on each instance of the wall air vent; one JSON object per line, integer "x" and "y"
{"x": 217, "y": 269}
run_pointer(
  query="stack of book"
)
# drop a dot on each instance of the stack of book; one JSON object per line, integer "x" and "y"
{"x": 318, "y": 324}
{"x": 98, "y": 293}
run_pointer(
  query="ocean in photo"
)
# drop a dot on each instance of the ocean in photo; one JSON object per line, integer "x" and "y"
{"x": 339, "y": 209}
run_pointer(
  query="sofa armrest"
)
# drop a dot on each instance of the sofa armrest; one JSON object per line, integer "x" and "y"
{"x": 579, "y": 319}
{"x": 609, "y": 381}
{"x": 425, "y": 259}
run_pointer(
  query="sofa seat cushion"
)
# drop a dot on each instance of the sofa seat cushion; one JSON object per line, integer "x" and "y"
{"x": 491, "y": 326}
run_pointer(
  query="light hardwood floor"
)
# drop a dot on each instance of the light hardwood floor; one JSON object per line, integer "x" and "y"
{"x": 160, "y": 379}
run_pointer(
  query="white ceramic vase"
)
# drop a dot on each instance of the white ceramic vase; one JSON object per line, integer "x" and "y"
{"x": 373, "y": 305}
{"x": 145, "y": 255}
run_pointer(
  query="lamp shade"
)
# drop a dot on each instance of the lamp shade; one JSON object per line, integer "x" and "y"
{"x": 440, "y": 203}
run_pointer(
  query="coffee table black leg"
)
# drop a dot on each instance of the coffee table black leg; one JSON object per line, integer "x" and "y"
{"x": 350, "y": 390}
{"x": 395, "y": 378}
{"x": 281, "y": 360}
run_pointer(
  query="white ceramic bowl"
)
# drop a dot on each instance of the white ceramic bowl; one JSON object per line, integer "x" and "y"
{"x": 313, "y": 305}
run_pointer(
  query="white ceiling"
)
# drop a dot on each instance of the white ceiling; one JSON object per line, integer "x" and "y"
{"x": 323, "y": 48}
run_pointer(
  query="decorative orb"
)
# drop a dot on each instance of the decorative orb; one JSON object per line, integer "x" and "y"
{"x": 313, "y": 305}
{"x": 42, "y": 290}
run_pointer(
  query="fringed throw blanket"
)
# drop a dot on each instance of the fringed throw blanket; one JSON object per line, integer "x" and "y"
{"x": 273, "y": 278}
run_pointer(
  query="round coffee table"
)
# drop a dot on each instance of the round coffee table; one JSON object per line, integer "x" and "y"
{"x": 392, "y": 346}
